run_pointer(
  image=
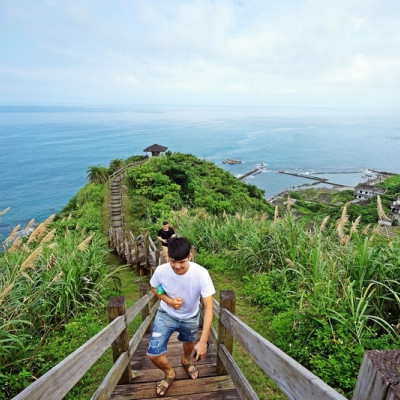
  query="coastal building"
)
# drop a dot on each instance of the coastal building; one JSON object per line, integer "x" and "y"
{"x": 395, "y": 208}
{"x": 366, "y": 192}
{"x": 155, "y": 149}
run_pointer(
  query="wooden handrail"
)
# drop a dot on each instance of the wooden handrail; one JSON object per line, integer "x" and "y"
{"x": 58, "y": 381}
{"x": 124, "y": 168}
{"x": 295, "y": 381}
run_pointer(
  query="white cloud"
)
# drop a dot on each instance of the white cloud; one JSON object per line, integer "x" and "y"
{"x": 201, "y": 50}
{"x": 126, "y": 79}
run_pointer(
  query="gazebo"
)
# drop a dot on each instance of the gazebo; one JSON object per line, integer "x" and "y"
{"x": 155, "y": 149}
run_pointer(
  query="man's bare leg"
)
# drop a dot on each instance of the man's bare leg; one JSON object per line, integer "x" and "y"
{"x": 161, "y": 362}
{"x": 187, "y": 353}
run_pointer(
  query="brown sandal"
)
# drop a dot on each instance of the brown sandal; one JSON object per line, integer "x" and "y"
{"x": 189, "y": 365}
{"x": 162, "y": 387}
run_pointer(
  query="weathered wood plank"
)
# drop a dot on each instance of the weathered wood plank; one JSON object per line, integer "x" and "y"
{"x": 57, "y": 382}
{"x": 111, "y": 380}
{"x": 136, "y": 308}
{"x": 242, "y": 385}
{"x": 209, "y": 385}
{"x": 180, "y": 389}
{"x": 147, "y": 373}
{"x": 116, "y": 307}
{"x": 379, "y": 376}
{"x": 295, "y": 381}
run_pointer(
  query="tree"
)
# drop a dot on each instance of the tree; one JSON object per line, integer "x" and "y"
{"x": 115, "y": 165}
{"x": 97, "y": 174}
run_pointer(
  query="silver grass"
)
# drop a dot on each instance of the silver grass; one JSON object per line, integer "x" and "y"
{"x": 30, "y": 261}
{"x": 5, "y": 211}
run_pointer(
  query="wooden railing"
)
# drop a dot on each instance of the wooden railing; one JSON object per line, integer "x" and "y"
{"x": 295, "y": 381}
{"x": 121, "y": 172}
{"x": 56, "y": 383}
{"x": 142, "y": 252}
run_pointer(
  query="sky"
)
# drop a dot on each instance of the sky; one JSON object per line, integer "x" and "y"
{"x": 313, "y": 53}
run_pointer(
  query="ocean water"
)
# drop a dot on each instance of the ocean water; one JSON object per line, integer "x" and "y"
{"x": 45, "y": 150}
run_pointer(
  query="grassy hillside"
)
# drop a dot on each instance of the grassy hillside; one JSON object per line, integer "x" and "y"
{"x": 311, "y": 276}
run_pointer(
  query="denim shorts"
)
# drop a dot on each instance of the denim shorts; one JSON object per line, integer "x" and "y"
{"x": 163, "y": 327}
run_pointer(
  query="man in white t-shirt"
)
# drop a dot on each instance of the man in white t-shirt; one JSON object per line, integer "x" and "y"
{"x": 183, "y": 283}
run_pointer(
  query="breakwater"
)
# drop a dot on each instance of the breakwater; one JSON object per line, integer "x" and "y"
{"x": 252, "y": 171}
{"x": 318, "y": 179}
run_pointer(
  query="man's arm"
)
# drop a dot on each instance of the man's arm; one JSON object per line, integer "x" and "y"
{"x": 175, "y": 303}
{"x": 161, "y": 239}
{"x": 201, "y": 345}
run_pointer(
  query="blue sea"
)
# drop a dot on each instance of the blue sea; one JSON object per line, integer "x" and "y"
{"x": 45, "y": 151}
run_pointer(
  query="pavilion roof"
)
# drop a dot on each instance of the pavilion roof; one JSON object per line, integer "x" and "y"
{"x": 156, "y": 147}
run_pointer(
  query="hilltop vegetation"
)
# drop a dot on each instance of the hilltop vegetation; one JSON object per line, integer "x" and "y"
{"x": 321, "y": 278}
{"x": 163, "y": 185}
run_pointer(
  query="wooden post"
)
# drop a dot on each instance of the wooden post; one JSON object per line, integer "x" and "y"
{"x": 116, "y": 307}
{"x": 158, "y": 255}
{"x": 147, "y": 247}
{"x": 379, "y": 376}
{"x": 146, "y": 310}
{"x": 127, "y": 250}
{"x": 227, "y": 301}
{"x": 137, "y": 254}
{"x": 194, "y": 252}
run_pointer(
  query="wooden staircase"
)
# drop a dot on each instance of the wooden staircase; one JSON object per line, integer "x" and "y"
{"x": 208, "y": 386}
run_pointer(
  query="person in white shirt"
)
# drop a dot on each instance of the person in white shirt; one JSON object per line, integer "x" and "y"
{"x": 184, "y": 283}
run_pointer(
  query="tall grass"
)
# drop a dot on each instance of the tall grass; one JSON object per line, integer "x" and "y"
{"x": 332, "y": 283}
{"x": 49, "y": 277}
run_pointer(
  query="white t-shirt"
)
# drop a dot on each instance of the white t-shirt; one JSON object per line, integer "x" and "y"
{"x": 192, "y": 285}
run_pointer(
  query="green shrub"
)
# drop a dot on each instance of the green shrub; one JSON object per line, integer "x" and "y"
{"x": 269, "y": 290}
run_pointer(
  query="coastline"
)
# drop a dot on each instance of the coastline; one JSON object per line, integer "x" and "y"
{"x": 379, "y": 177}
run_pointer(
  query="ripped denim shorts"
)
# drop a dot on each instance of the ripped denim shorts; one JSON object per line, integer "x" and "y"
{"x": 163, "y": 327}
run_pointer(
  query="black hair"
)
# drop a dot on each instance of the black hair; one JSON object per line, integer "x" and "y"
{"x": 179, "y": 248}
{"x": 165, "y": 223}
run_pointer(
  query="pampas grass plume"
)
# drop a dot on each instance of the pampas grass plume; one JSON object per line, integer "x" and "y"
{"x": 376, "y": 230}
{"x": 48, "y": 237}
{"x": 276, "y": 213}
{"x": 341, "y": 222}
{"x": 290, "y": 262}
{"x": 51, "y": 260}
{"x": 41, "y": 229}
{"x": 15, "y": 246}
{"x": 382, "y": 215}
{"x": 289, "y": 202}
{"x": 83, "y": 245}
{"x": 5, "y": 291}
{"x": 354, "y": 225}
{"x": 25, "y": 248}
{"x": 30, "y": 224}
{"x": 4, "y": 211}
{"x": 13, "y": 234}
{"x": 58, "y": 276}
{"x": 37, "y": 233}
{"x": 30, "y": 261}
{"x": 366, "y": 229}
{"x": 345, "y": 240}
{"x": 324, "y": 223}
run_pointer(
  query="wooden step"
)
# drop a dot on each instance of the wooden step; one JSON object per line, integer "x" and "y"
{"x": 208, "y": 388}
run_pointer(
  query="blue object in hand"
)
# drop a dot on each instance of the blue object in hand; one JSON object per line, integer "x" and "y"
{"x": 160, "y": 289}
